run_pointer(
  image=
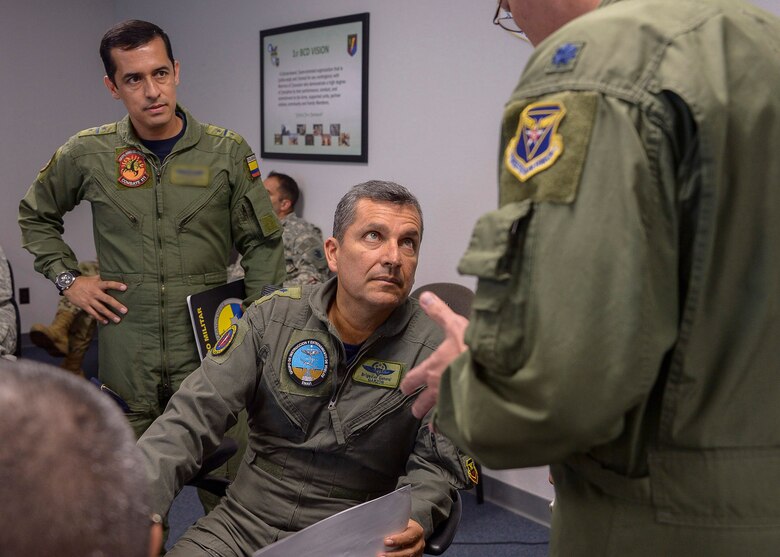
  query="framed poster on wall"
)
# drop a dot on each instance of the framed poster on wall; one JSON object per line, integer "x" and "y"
{"x": 314, "y": 90}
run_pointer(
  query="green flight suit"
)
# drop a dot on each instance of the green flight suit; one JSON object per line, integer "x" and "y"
{"x": 317, "y": 446}
{"x": 627, "y": 311}
{"x": 164, "y": 229}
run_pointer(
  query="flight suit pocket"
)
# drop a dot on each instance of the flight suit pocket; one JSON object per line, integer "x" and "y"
{"x": 497, "y": 256}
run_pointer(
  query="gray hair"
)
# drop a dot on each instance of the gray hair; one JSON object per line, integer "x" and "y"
{"x": 73, "y": 483}
{"x": 373, "y": 190}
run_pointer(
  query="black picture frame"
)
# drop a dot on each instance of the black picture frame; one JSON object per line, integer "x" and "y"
{"x": 313, "y": 89}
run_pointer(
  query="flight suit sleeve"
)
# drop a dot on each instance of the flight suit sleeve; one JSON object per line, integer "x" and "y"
{"x": 577, "y": 297}
{"x": 435, "y": 469}
{"x": 257, "y": 232}
{"x": 57, "y": 189}
{"x": 206, "y": 405}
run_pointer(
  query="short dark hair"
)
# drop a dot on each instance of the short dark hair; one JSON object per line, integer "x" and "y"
{"x": 287, "y": 186}
{"x": 72, "y": 477}
{"x": 128, "y": 35}
{"x": 373, "y": 190}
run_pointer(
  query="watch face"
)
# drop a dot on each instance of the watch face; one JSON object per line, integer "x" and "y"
{"x": 64, "y": 280}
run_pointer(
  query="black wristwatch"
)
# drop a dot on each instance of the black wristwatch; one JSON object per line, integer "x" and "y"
{"x": 65, "y": 280}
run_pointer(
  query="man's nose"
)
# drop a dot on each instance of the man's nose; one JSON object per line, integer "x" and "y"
{"x": 151, "y": 89}
{"x": 392, "y": 255}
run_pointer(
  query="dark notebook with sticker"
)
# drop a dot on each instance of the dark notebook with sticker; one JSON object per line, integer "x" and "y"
{"x": 213, "y": 311}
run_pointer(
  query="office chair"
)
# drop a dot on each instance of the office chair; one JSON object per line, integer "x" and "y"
{"x": 442, "y": 536}
{"x": 459, "y": 298}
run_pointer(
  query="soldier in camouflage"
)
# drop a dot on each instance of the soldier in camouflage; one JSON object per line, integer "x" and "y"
{"x": 303, "y": 245}
{"x": 71, "y": 331}
{"x": 7, "y": 313}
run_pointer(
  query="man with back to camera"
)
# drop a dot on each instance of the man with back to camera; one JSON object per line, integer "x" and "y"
{"x": 303, "y": 247}
{"x": 72, "y": 479}
{"x": 317, "y": 368}
{"x": 626, "y": 311}
{"x": 169, "y": 197}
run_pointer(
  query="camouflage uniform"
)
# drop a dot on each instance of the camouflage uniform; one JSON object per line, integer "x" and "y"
{"x": 304, "y": 255}
{"x": 7, "y": 314}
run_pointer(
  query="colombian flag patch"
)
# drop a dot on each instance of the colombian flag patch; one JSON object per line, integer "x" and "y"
{"x": 254, "y": 168}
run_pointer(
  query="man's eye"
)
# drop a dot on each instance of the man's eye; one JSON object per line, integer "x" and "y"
{"x": 409, "y": 244}
{"x": 373, "y": 236}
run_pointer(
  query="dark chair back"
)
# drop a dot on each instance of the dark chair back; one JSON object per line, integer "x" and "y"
{"x": 457, "y": 296}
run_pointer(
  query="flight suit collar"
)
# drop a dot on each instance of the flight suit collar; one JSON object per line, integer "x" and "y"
{"x": 395, "y": 324}
{"x": 191, "y": 135}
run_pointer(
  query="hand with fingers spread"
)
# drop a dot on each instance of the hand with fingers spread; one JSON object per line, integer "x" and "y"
{"x": 90, "y": 294}
{"x": 409, "y": 543}
{"x": 429, "y": 372}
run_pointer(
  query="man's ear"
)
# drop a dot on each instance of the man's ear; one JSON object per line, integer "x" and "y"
{"x": 331, "y": 253}
{"x": 111, "y": 87}
{"x": 176, "y": 70}
{"x": 286, "y": 206}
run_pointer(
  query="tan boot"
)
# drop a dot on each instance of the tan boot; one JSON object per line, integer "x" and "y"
{"x": 54, "y": 338}
{"x": 81, "y": 333}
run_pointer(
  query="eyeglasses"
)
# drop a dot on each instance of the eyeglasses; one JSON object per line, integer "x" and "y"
{"x": 503, "y": 19}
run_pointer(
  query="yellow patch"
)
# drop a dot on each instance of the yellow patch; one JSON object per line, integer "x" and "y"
{"x": 534, "y": 164}
{"x": 536, "y": 144}
{"x": 379, "y": 373}
{"x": 471, "y": 470}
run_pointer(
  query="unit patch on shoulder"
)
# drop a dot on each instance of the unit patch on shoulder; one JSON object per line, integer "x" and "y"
{"x": 307, "y": 363}
{"x": 224, "y": 132}
{"x": 379, "y": 373}
{"x": 225, "y": 341}
{"x": 536, "y": 144}
{"x": 471, "y": 469}
{"x": 254, "y": 168}
{"x": 132, "y": 171}
{"x": 269, "y": 224}
{"x": 565, "y": 58}
{"x": 546, "y": 144}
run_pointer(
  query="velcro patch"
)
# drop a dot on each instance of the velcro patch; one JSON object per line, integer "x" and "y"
{"x": 546, "y": 143}
{"x": 190, "y": 175}
{"x": 224, "y": 132}
{"x": 379, "y": 373}
{"x": 470, "y": 468}
{"x": 269, "y": 224}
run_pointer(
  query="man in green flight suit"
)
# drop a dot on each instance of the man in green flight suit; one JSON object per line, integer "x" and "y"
{"x": 627, "y": 311}
{"x": 169, "y": 197}
{"x": 318, "y": 368}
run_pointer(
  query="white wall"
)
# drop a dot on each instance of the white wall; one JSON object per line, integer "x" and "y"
{"x": 439, "y": 75}
{"x": 436, "y": 91}
{"x": 51, "y": 87}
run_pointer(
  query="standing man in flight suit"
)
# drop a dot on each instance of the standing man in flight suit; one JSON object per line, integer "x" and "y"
{"x": 627, "y": 312}
{"x": 169, "y": 197}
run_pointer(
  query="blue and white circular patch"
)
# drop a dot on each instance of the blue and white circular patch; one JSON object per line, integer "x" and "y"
{"x": 307, "y": 363}
{"x": 225, "y": 341}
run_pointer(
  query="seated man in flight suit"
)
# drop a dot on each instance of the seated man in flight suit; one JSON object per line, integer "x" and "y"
{"x": 318, "y": 369}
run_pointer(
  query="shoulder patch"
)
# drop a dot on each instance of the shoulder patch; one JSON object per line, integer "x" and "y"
{"x": 546, "y": 143}
{"x": 293, "y": 292}
{"x": 100, "y": 130}
{"x": 224, "y": 132}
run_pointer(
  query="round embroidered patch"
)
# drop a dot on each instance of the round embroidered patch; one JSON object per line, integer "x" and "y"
{"x": 225, "y": 341}
{"x": 132, "y": 168}
{"x": 228, "y": 313}
{"x": 307, "y": 363}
